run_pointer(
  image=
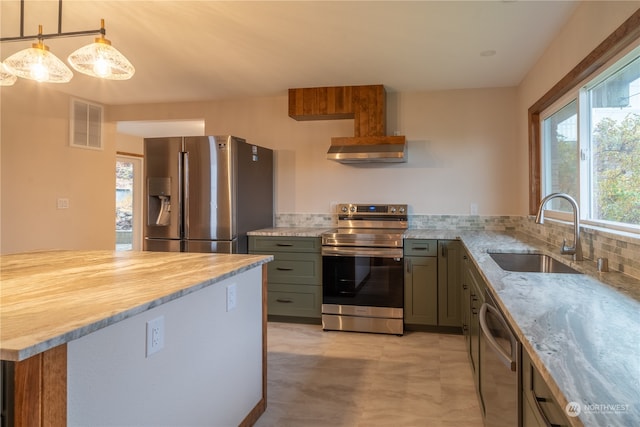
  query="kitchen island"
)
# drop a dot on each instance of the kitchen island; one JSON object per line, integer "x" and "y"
{"x": 73, "y": 327}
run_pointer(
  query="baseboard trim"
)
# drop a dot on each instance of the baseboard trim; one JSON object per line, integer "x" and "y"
{"x": 255, "y": 413}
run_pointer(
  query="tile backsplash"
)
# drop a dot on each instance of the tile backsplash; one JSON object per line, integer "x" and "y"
{"x": 462, "y": 222}
{"x": 621, "y": 249}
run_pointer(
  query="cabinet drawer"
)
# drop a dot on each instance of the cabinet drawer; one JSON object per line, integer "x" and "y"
{"x": 271, "y": 244}
{"x": 420, "y": 247}
{"x": 303, "y": 269}
{"x": 538, "y": 395}
{"x": 294, "y": 300}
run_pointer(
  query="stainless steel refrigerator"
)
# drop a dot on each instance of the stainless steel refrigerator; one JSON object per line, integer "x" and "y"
{"x": 204, "y": 193}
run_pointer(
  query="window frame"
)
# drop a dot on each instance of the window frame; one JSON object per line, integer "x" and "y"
{"x": 138, "y": 166}
{"x": 580, "y": 95}
{"x": 565, "y": 100}
{"x": 623, "y": 37}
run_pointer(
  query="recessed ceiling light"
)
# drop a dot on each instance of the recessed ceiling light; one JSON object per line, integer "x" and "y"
{"x": 487, "y": 53}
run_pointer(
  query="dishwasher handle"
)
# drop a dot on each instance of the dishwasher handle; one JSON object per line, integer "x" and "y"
{"x": 509, "y": 360}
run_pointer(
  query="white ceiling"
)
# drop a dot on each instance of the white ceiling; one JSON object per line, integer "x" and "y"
{"x": 205, "y": 50}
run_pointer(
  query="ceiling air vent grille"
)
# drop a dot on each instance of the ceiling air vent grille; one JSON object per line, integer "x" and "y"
{"x": 86, "y": 124}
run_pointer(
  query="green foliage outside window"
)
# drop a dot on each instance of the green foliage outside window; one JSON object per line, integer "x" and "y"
{"x": 617, "y": 169}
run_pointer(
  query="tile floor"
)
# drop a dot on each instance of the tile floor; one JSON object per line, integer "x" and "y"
{"x": 321, "y": 379}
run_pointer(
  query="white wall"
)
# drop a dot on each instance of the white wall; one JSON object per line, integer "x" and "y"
{"x": 39, "y": 166}
{"x": 591, "y": 23}
{"x": 461, "y": 150}
{"x": 208, "y": 374}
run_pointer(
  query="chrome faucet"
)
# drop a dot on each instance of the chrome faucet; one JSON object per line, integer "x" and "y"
{"x": 576, "y": 249}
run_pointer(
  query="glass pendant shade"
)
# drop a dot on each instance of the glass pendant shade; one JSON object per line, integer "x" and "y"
{"x": 100, "y": 59}
{"x": 6, "y": 77}
{"x": 37, "y": 63}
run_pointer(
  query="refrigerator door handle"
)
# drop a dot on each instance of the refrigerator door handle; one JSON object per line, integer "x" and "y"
{"x": 184, "y": 173}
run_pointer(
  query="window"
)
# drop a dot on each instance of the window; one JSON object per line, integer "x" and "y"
{"x": 560, "y": 151}
{"x": 613, "y": 154}
{"x": 591, "y": 147}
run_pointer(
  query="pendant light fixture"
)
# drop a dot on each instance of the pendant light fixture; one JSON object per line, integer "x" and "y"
{"x": 37, "y": 63}
{"x": 7, "y": 78}
{"x": 98, "y": 59}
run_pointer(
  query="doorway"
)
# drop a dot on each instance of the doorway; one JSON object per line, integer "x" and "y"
{"x": 128, "y": 203}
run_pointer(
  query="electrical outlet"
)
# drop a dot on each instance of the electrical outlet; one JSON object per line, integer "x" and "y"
{"x": 155, "y": 335}
{"x": 232, "y": 297}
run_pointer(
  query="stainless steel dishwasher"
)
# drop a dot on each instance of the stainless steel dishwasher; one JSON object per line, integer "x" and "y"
{"x": 499, "y": 368}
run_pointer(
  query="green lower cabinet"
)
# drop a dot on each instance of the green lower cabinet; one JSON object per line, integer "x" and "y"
{"x": 294, "y": 277}
{"x": 449, "y": 282}
{"x": 432, "y": 282}
{"x": 421, "y": 290}
{"x": 294, "y": 300}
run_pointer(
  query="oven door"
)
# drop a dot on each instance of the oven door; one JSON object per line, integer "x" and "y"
{"x": 369, "y": 277}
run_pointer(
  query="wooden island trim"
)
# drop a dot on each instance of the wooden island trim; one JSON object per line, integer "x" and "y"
{"x": 261, "y": 406}
{"x": 40, "y": 389}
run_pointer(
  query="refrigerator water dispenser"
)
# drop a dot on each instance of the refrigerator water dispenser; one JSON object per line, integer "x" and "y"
{"x": 159, "y": 193}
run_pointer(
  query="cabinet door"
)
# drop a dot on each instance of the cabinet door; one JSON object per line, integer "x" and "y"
{"x": 449, "y": 256}
{"x": 476, "y": 299}
{"x": 421, "y": 290}
{"x": 465, "y": 305}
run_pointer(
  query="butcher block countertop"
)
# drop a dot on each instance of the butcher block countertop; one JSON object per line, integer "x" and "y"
{"x": 53, "y": 297}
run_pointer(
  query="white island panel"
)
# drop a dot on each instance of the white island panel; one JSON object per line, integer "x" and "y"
{"x": 209, "y": 372}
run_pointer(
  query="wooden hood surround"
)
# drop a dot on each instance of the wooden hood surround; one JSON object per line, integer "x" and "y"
{"x": 365, "y": 104}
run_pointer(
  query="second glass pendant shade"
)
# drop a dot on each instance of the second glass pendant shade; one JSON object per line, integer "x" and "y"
{"x": 100, "y": 59}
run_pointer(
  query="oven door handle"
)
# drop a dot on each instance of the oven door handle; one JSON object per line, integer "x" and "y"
{"x": 362, "y": 252}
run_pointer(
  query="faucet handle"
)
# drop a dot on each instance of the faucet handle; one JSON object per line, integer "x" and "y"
{"x": 569, "y": 250}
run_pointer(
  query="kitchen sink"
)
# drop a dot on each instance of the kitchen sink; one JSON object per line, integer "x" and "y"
{"x": 530, "y": 263}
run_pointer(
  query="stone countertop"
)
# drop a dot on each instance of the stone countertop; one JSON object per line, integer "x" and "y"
{"x": 581, "y": 330}
{"x": 290, "y": 231}
{"x": 53, "y": 297}
{"x": 416, "y": 233}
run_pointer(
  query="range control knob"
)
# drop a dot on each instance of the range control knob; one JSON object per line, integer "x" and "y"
{"x": 352, "y": 209}
{"x": 393, "y": 210}
{"x": 401, "y": 210}
{"x": 344, "y": 209}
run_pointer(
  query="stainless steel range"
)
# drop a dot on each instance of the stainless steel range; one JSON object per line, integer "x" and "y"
{"x": 362, "y": 270}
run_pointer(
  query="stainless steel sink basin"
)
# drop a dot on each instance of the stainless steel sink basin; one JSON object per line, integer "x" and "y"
{"x": 531, "y": 263}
